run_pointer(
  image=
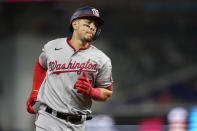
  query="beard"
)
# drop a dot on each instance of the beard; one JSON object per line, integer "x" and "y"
{"x": 88, "y": 39}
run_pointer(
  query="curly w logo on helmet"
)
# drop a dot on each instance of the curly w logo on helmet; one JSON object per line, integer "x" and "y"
{"x": 95, "y": 12}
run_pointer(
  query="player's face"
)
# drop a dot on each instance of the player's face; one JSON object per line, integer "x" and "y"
{"x": 86, "y": 29}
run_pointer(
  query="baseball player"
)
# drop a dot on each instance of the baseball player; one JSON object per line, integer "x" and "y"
{"x": 69, "y": 74}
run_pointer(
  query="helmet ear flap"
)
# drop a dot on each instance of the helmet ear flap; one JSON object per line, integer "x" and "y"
{"x": 98, "y": 32}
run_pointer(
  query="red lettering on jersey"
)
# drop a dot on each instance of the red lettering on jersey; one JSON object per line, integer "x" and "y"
{"x": 75, "y": 66}
{"x": 89, "y": 66}
{"x": 94, "y": 67}
{"x": 63, "y": 66}
{"x": 87, "y": 63}
{"x": 69, "y": 65}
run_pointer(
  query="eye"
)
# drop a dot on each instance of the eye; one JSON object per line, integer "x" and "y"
{"x": 86, "y": 25}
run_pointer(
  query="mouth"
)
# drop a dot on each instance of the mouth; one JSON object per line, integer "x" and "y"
{"x": 89, "y": 34}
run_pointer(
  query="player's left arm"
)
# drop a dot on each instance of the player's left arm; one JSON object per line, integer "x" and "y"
{"x": 83, "y": 85}
{"x": 104, "y": 87}
{"x": 104, "y": 82}
{"x": 105, "y": 93}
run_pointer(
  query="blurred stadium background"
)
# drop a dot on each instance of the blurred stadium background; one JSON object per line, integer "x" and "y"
{"x": 152, "y": 44}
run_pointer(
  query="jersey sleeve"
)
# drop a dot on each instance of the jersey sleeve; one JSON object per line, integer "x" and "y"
{"x": 43, "y": 58}
{"x": 104, "y": 77}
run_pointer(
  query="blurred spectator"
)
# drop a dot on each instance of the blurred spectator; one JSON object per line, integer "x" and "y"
{"x": 151, "y": 124}
{"x": 192, "y": 125}
{"x": 100, "y": 122}
{"x": 177, "y": 119}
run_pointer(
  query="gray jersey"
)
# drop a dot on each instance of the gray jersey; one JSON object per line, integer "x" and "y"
{"x": 64, "y": 65}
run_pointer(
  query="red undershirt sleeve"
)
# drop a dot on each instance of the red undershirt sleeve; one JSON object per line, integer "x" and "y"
{"x": 110, "y": 87}
{"x": 38, "y": 77}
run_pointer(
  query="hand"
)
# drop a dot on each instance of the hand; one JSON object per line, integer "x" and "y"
{"x": 83, "y": 85}
{"x": 31, "y": 101}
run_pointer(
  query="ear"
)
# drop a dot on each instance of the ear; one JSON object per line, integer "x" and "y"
{"x": 75, "y": 24}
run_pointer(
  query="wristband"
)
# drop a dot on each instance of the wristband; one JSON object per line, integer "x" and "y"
{"x": 95, "y": 93}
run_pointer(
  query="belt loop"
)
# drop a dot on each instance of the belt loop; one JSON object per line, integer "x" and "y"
{"x": 83, "y": 118}
{"x": 54, "y": 112}
{"x": 67, "y": 118}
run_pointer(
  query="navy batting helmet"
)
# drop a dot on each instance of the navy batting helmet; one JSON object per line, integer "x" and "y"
{"x": 86, "y": 12}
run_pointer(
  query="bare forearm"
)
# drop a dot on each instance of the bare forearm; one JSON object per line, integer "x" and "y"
{"x": 105, "y": 94}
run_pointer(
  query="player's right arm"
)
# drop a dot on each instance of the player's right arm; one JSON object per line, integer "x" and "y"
{"x": 38, "y": 77}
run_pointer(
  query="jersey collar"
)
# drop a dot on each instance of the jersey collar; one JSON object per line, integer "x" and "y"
{"x": 68, "y": 42}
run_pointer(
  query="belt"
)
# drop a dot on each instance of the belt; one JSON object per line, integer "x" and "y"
{"x": 68, "y": 117}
